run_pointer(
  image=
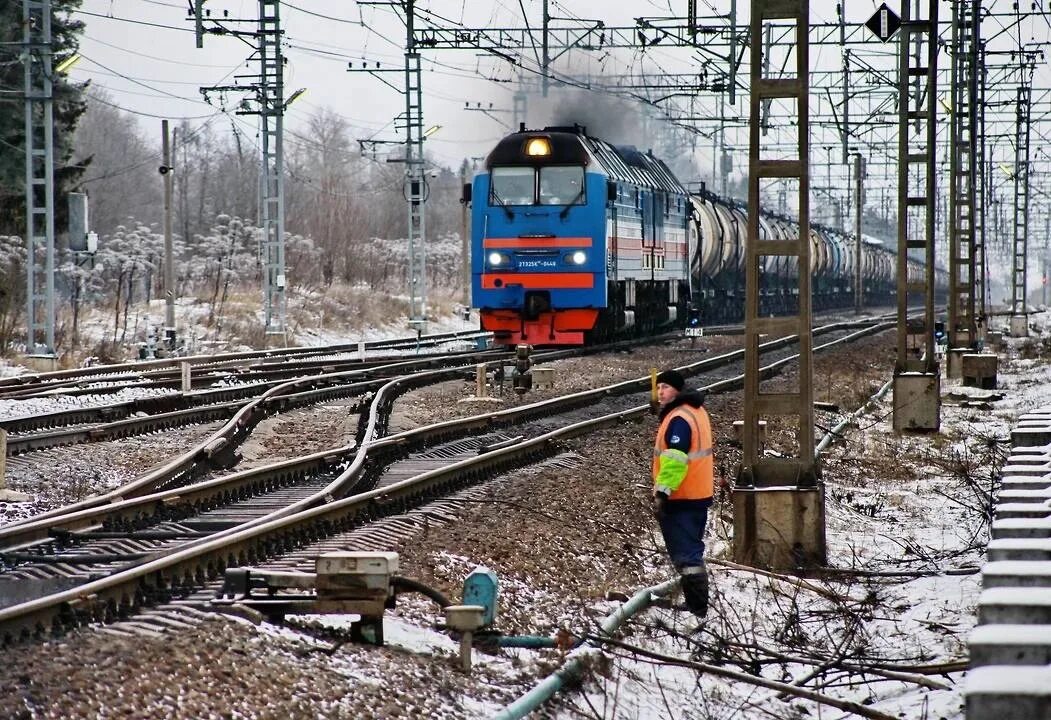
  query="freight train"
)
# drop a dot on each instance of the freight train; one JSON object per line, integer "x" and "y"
{"x": 577, "y": 240}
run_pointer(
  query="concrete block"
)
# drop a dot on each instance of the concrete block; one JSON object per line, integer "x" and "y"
{"x": 1016, "y": 573}
{"x": 1005, "y": 510}
{"x": 1020, "y": 325}
{"x": 1018, "y": 472}
{"x": 1010, "y": 645}
{"x": 1018, "y": 549}
{"x": 779, "y": 528}
{"x": 954, "y": 363}
{"x": 1031, "y": 437}
{"x": 994, "y": 338}
{"x": 1021, "y": 528}
{"x": 543, "y": 377}
{"x": 917, "y": 402}
{"x": 979, "y": 370}
{"x": 1025, "y": 459}
{"x": 1015, "y": 606}
{"x": 1026, "y": 484}
{"x": 1008, "y": 692}
{"x": 41, "y": 363}
{"x": 1036, "y": 496}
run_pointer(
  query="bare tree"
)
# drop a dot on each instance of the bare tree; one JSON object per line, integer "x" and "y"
{"x": 122, "y": 180}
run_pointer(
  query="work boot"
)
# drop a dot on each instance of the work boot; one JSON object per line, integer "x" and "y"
{"x": 695, "y": 590}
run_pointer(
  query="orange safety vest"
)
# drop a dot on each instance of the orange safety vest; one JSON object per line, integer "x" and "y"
{"x": 700, "y": 467}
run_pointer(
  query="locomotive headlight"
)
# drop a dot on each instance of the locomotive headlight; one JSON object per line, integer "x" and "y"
{"x": 579, "y": 257}
{"x": 496, "y": 259}
{"x": 538, "y": 147}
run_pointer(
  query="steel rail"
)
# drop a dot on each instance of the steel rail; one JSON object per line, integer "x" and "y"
{"x": 120, "y": 369}
{"x": 111, "y": 413}
{"x": 216, "y": 450}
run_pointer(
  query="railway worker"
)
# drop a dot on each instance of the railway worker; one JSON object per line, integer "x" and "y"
{"x": 683, "y": 482}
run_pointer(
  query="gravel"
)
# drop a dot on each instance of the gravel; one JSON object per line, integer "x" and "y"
{"x": 560, "y": 540}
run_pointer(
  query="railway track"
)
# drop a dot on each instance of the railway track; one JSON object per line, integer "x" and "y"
{"x": 45, "y": 430}
{"x": 106, "y": 422}
{"x": 447, "y": 457}
{"x": 207, "y": 369}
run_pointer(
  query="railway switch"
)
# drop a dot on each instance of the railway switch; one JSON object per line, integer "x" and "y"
{"x": 347, "y": 583}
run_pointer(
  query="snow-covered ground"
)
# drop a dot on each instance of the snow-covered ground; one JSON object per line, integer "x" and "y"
{"x": 886, "y": 629}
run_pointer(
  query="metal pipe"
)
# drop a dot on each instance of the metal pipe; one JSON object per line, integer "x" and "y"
{"x": 529, "y": 642}
{"x": 832, "y": 434}
{"x": 553, "y": 683}
{"x": 405, "y": 584}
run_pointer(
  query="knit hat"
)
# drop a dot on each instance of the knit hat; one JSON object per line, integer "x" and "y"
{"x": 672, "y": 378}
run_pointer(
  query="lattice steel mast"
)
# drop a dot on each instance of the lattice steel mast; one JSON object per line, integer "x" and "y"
{"x": 414, "y": 175}
{"x": 1019, "y": 269}
{"x": 917, "y": 400}
{"x": 39, "y": 179}
{"x": 269, "y": 104}
{"x": 963, "y": 174}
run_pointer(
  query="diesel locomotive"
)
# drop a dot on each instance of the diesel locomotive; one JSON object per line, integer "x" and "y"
{"x": 574, "y": 239}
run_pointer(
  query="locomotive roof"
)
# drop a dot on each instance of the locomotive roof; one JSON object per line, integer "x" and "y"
{"x": 570, "y": 145}
{"x": 627, "y": 163}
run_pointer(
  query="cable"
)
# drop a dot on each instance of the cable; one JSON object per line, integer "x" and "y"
{"x": 320, "y": 15}
{"x": 150, "y": 115}
{"x": 151, "y": 57}
{"x": 134, "y": 22}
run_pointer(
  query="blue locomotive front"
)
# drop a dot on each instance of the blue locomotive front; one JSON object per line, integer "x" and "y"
{"x": 574, "y": 239}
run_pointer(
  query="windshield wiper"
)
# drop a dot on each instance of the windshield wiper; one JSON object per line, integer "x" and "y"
{"x": 500, "y": 201}
{"x": 565, "y": 211}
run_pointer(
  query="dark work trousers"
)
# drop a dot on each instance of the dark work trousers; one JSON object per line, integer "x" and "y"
{"x": 682, "y": 525}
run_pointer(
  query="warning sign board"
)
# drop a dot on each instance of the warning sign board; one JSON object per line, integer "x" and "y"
{"x": 884, "y": 23}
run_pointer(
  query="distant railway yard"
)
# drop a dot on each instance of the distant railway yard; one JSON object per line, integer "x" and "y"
{"x": 118, "y": 598}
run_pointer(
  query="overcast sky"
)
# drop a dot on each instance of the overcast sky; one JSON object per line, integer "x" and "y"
{"x": 143, "y": 53}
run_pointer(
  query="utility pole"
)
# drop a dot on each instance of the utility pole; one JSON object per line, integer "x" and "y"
{"x": 519, "y": 112}
{"x": 963, "y": 146}
{"x": 545, "y": 62}
{"x": 859, "y": 174}
{"x": 981, "y": 197}
{"x": 1047, "y": 256}
{"x": 779, "y": 507}
{"x": 169, "y": 263}
{"x": 267, "y": 86}
{"x": 917, "y": 383}
{"x": 844, "y": 131}
{"x": 465, "y": 254}
{"x": 40, "y": 180}
{"x": 415, "y": 185}
{"x": 1019, "y": 311}
{"x": 415, "y": 190}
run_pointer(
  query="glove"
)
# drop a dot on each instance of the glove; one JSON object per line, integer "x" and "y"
{"x": 660, "y": 505}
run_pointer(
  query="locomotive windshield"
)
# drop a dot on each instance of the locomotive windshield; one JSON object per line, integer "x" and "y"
{"x": 513, "y": 186}
{"x": 561, "y": 185}
{"x": 551, "y": 185}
